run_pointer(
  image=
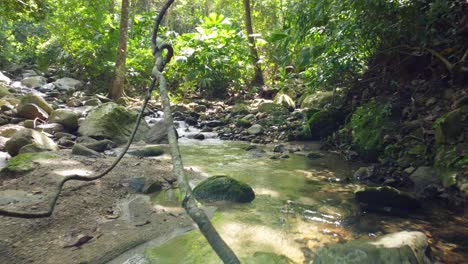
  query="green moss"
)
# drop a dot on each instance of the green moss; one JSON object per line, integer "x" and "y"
{"x": 4, "y": 91}
{"x": 240, "y": 109}
{"x": 324, "y": 122}
{"x": 243, "y": 123}
{"x": 225, "y": 188}
{"x": 449, "y": 127}
{"x": 23, "y": 163}
{"x": 150, "y": 151}
{"x": 369, "y": 124}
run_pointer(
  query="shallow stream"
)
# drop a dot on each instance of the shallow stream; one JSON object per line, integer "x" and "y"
{"x": 300, "y": 205}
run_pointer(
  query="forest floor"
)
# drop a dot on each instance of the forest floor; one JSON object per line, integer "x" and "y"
{"x": 89, "y": 224}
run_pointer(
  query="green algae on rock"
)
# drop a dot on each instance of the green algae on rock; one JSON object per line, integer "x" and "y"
{"x": 223, "y": 188}
{"x": 324, "y": 122}
{"x": 112, "y": 121}
{"x": 22, "y": 163}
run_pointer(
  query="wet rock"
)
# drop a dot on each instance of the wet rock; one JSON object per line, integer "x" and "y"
{"x": 28, "y": 136}
{"x": 255, "y": 129}
{"x": 68, "y": 84}
{"x": 23, "y": 163}
{"x": 191, "y": 121}
{"x": 112, "y": 121}
{"x": 148, "y": 151}
{"x": 81, "y": 150}
{"x": 401, "y": 247}
{"x": 199, "y": 136}
{"x": 66, "y": 117}
{"x": 65, "y": 142}
{"x": 34, "y": 81}
{"x": 214, "y": 123}
{"x": 224, "y": 188}
{"x": 31, "y": 98}
{"x": 60, "y": 135}
{"x": 32, "y": 111}
{"x": 386, "y": 197}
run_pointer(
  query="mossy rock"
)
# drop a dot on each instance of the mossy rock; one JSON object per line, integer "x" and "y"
{"x": 240, "y": 109}
{"x": 31, "y": 98}
{"x": 23, "y": 163}
{"x": 223, "y": 188}
{"x": 243, "y": 123}
{"x": 4, "y": 91}
{"x": 324, "y": 122}
{"x": 370, "y": 123}
{"x": 28, "y": 136}
{"x": 113, "y": 122}
{"x": 450, "y": 127}
{"x": 273, "y": 109}
{"x": 66, "y": 117}
{"x": 317, "y": 100}
{"x": 150, "y": 151}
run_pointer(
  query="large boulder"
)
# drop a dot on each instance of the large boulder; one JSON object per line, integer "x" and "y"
{"x": 26, "y": 137}
{"x": 31, "y": 98}
{"x": 317, "y": 100}
{"x": 112, "y": 121}
{"x": 323, "y": 123}
{"x": 157, "y": 133}
{"x": 68, "y": 84}
{"x": 66, "y": 117}
{"x": 255, "y": 129}
{"x": 223, "y": 188}
{"x": 285, "y": 101}
{"x": 34, "y": 81}
{"x": 401, "y": 247}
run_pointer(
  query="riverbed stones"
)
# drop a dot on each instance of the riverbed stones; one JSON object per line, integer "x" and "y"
{"x": 100, "y": 145}
{"x": 157, "y": 133}
{"x": 223, "y": 188}
{"x": 148, "y": 151}
{"x": 81, "y": 150}
{"x": 401, "y": 247}
{"x": 28, "y": 136}
{"x": 113, "y": 122}
{"x": 34, "y": 81}
{"x": 68, "y": 118}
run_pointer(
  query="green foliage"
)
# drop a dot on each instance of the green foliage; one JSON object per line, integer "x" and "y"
{"x": 212, "y": 59}
{"x": 370, "y": 123}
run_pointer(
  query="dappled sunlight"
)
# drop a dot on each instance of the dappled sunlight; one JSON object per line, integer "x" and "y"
{"x": 81, "y": 172}
{"x": 249, "y": 239}
{"x": 268, "y": 192}
{"x": 62, "y": 162}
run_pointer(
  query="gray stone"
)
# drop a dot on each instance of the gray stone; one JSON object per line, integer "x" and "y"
{"x": 401, "y": 247}
{"x": 314, "y": 155}
{"x": 66, "y": 117}
{"x": 361, "y": 173}
{"x": 9, "y": 130}
{"x": 28, "y": 73}
{"x": 92, "y": 102}
{"x": 423, "y": 177}
{"x": 100, "y": 145}
{"x": 144, "y": 185}
{"x": 138, "y": 210}
{"x": 114, "y": 122}
{"x": 81, "y": 150}
{"x": 34, "y": 81}
{"x": 255, "y": 129}
{"x": 68, "y": 84}
{"x": 157, "y": 133}
{"x": 28, "y": 136}
{"x": 148, "y": 151}
{"x": 51, "y": 128}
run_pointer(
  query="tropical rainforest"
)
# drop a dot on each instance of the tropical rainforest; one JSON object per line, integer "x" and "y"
{"x": 254, "y": 131}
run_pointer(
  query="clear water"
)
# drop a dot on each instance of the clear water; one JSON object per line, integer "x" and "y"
{"x": 300, "y": 205}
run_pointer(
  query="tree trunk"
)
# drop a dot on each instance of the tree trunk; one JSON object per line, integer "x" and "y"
{"x": 258, "y": 78}
{"x": 117, "y": 89}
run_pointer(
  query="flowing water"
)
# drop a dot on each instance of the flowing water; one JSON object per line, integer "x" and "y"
{"x": 300, "y": 205}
